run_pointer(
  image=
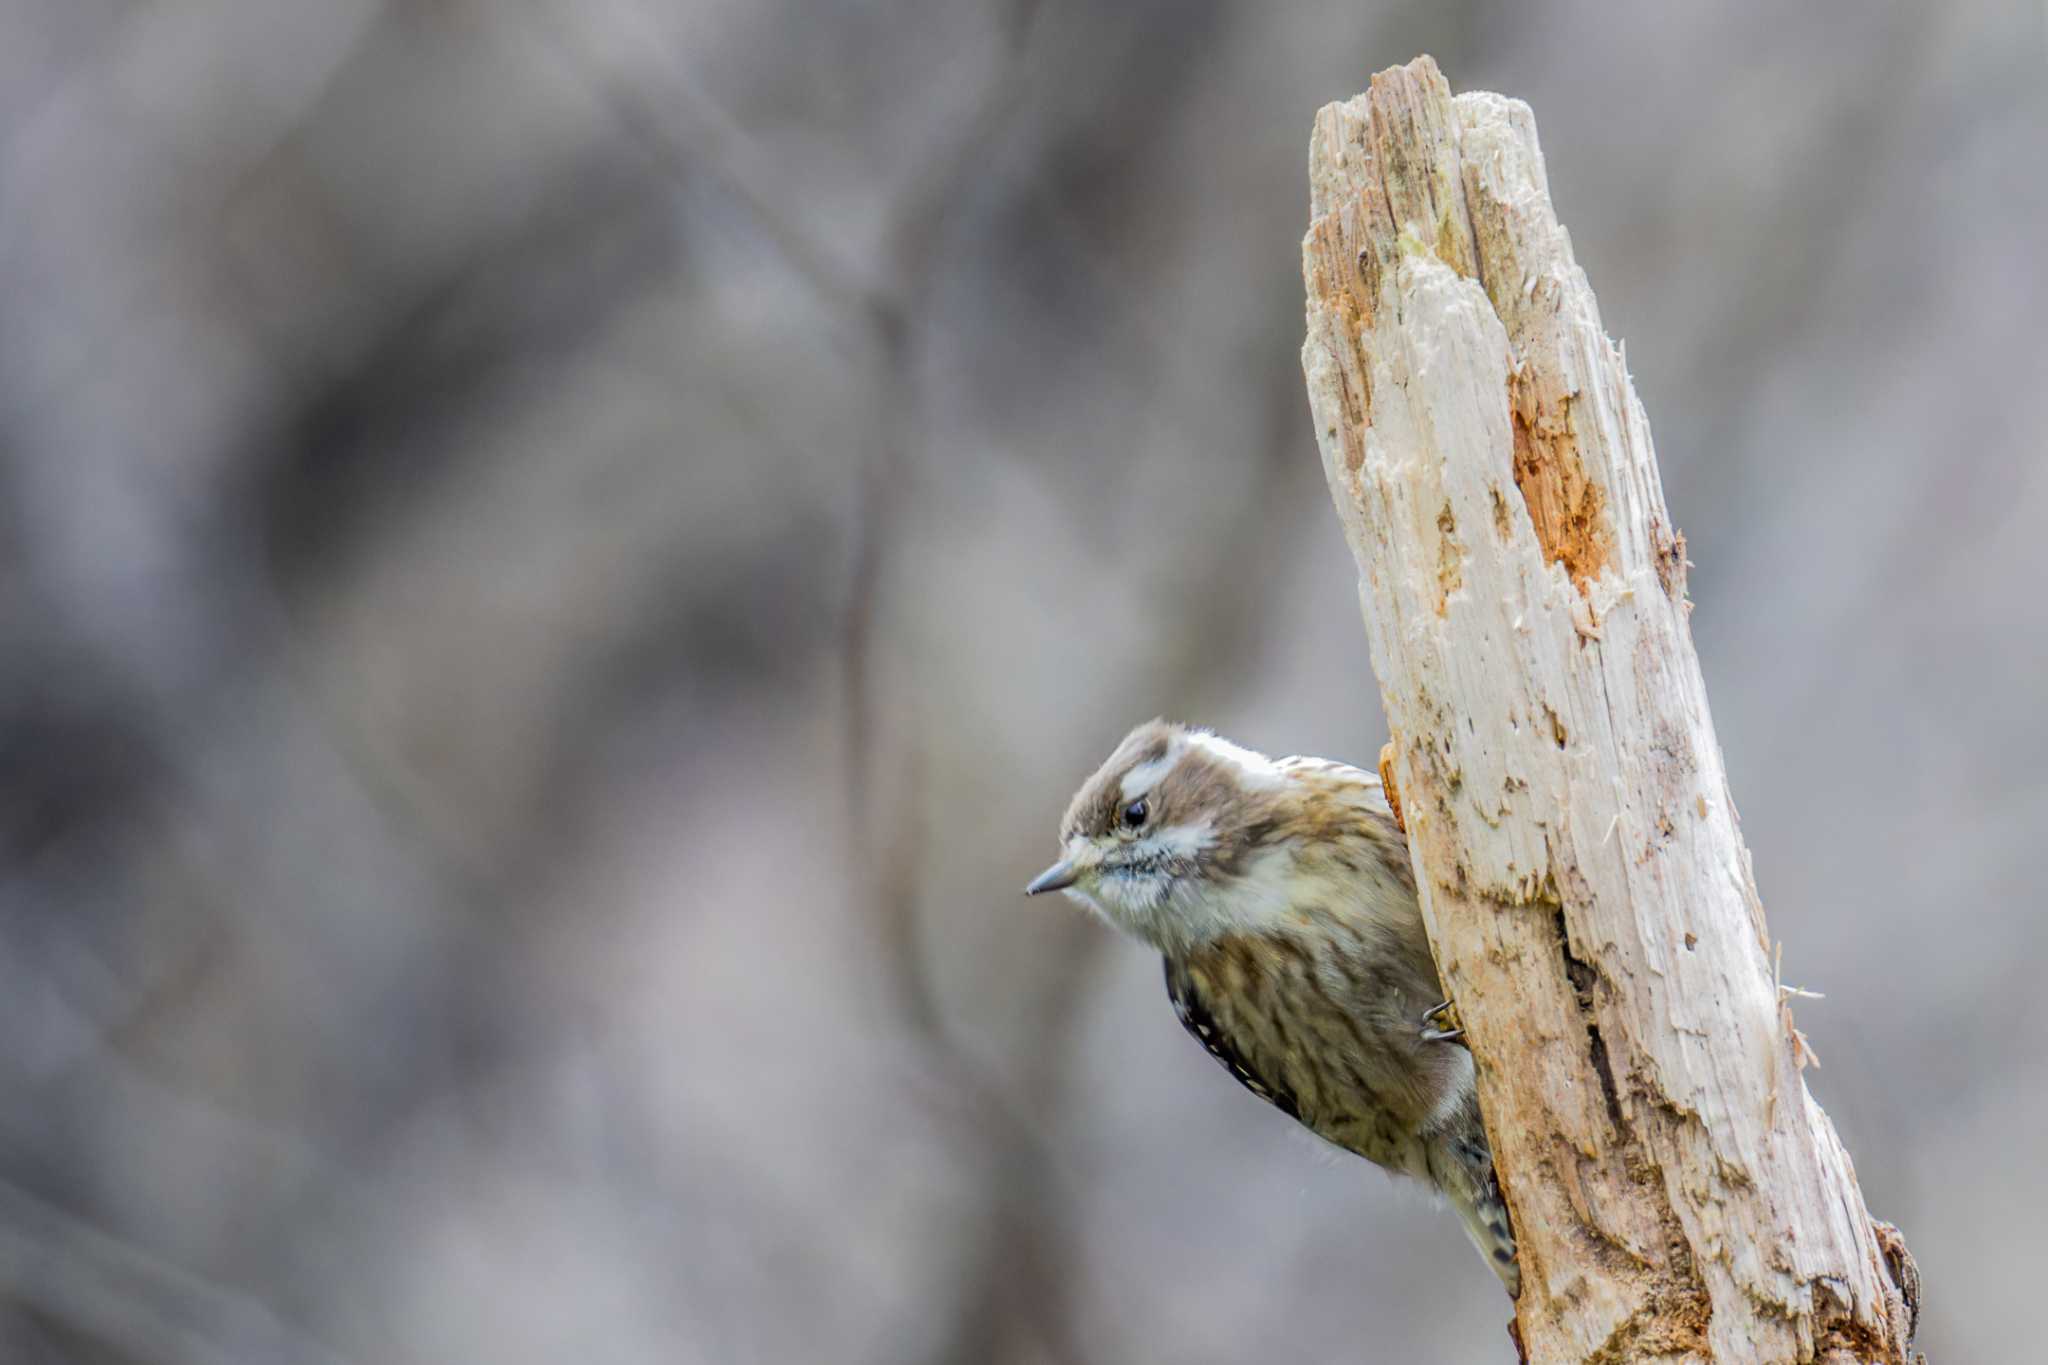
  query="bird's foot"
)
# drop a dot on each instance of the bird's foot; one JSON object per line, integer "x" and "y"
{"x": 1442, "y": 1025}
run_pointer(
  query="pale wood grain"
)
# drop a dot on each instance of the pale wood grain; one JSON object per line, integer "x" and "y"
{"x": 1677, "y": 1193}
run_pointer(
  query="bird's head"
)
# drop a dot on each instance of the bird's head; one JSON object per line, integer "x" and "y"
{"x": 1170, "y": 838}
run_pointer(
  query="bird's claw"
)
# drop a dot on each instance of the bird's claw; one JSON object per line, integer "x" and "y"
{"x": 1440, "y": 1024}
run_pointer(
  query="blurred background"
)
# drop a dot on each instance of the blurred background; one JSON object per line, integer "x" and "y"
{"x": 560, "y": 559}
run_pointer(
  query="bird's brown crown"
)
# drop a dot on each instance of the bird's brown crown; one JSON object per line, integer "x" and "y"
{"x": 1186, "y": 777}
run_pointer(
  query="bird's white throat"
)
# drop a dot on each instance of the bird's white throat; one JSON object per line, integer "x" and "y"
{"x": 1175, "y": 905}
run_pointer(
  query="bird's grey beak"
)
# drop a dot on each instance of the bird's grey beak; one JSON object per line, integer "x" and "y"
{"x": 1058, "y": 877}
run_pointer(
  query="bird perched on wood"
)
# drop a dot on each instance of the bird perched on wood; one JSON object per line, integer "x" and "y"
{"x": 1281, "y": 895}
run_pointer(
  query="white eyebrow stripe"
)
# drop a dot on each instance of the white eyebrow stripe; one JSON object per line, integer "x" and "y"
{"x": 1145, "y": 776}
{"x": 1255, "y": 769}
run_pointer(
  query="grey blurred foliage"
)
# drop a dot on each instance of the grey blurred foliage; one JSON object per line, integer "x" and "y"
{"x": 560, "y": 558}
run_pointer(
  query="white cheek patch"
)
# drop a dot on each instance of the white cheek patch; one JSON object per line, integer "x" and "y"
{"x": 1141, "y": 878}
{"x": 1175, "y": 841}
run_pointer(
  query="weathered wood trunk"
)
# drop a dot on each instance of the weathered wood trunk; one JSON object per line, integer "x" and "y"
{"x": 1677, "y": 1194}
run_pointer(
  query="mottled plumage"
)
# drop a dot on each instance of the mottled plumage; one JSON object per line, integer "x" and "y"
{"x": 1279, "y": 893}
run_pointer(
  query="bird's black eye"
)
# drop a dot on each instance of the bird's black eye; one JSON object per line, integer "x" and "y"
{"x": 1134, "y": 815}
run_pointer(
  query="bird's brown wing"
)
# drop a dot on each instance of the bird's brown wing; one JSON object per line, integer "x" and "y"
{"x": 1196, "y": 1019}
